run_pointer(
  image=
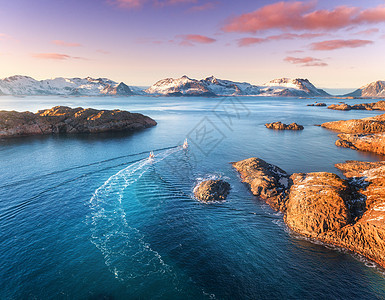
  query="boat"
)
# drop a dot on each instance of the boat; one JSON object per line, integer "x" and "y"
{"x": 185, "y": 144}
{"x": 151, "y": 156}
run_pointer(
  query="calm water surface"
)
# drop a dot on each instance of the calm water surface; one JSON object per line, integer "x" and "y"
{"x": 88, "y": 217}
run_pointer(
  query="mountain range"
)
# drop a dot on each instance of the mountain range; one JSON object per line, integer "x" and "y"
{"x": 184, "y": 86}
{"x": 374, "y": 89}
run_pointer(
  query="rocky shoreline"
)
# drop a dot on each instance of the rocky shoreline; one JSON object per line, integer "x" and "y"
{"x": 366, "y": 134}
{"x": 62, "y": 119}
{"x": 379, "y": 105}
{"x": 322, "y": 206}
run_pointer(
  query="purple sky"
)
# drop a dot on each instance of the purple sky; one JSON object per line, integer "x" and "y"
{"x": 140, "y": 41}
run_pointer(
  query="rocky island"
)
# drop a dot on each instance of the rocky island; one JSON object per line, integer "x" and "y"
{"x": 366, "y": 134}
{"x": 322, "y": 206}
{"x": 282, "y": 126}
{"x": 379, "y": 105}
{"x": 212, "y": 190}
{"x": 62, "y": 119}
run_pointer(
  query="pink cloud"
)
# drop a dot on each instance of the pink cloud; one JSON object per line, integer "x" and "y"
{"x": 284, "y": 36}
{"x": 65, "y": 44}
{"x": 127, "y": 3}
{"x": 306, "y": 61}
{"x": 203, "y": 7}
{"x": 191, "y": 39}
{"x": 4, "y": 36}
{"x": 132, "y": 4}
{"x": 303, "y": 16}
{"x": 368, "y": 31}
{"x": 56, "y": 56}
{"x": 172, "y": 2}
{"x": 292, "y": 36}
{"x": 244, "y": 42}
{"x": 338, "y": 44}
{"x": 103, "y": 51}
{"x": 372, "y": 15}
{"x": 295, "y": 51}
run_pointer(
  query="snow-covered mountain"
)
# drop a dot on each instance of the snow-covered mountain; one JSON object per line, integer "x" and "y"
{"x": 183, "y": 86}
{"x": 292, "y": 87}
{"x": 24, "y": 85}
{"x": 373, "y": 89}
{"x": 212, "y": 86}
{"x": 228, "y": 88}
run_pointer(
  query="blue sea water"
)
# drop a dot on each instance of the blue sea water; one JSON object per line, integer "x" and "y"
{"x": 89, "y": 217}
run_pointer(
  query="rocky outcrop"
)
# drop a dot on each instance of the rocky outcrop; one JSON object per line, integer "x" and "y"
{"x": 367, "y": 235}
{"x": 317, "y": 104}
{"x": 367, "y": 142}
{"x": 366, "y": 134}
{"x": 317, "y": 203}
{"x": 62, "y": 119}
{"x": 212, "y": 190}
{"x": 362, "y": 126}
{"x": 322, "y": 206}
{"x": 282, "y": 126}
{"x": 379, "y": 105}
{"x": 342, "y": 106}
{"x": 265, "y": 180}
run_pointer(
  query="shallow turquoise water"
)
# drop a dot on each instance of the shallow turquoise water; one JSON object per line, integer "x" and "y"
{"x": 87, "y": 217}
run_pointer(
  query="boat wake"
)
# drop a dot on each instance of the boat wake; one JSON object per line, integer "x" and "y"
{"x": 123, "y": 247}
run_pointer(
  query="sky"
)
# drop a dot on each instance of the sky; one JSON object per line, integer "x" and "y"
{"x": 335, "y": 45}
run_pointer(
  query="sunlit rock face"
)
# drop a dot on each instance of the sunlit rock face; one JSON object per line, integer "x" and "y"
{"x": 322, "y": 206}
{"x": 265, "y": 180}
{"x": 366, "y": 134}
{"x": 62, "y": 119}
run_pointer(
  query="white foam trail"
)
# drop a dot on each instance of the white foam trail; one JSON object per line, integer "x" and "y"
{"x": 125, "y": 252}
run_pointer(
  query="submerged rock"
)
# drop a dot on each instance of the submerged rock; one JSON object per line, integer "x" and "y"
{"x": 212, "y": 190}
{"x": 62, "y": 119}
{"x": 282, "y": 126}
{"x": 347, "y": 213}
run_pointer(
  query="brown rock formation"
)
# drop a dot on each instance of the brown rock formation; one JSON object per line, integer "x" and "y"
{"x": 317, "y": 104}
{"x": 212, "y": 190}
{"x": 366, "y": 125}
{"x": 379, "y": 105}
{"x": 347, "y": 213}
{"x": 62, "y": 119}
{"x": 367, "y": 235}
{"x": 282, "y": 126}
{"x": 266, "y": 181}
{"x": 342, "y": 106}
{"x": 366, "y": 134}
{"x": 317, "y": 203}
